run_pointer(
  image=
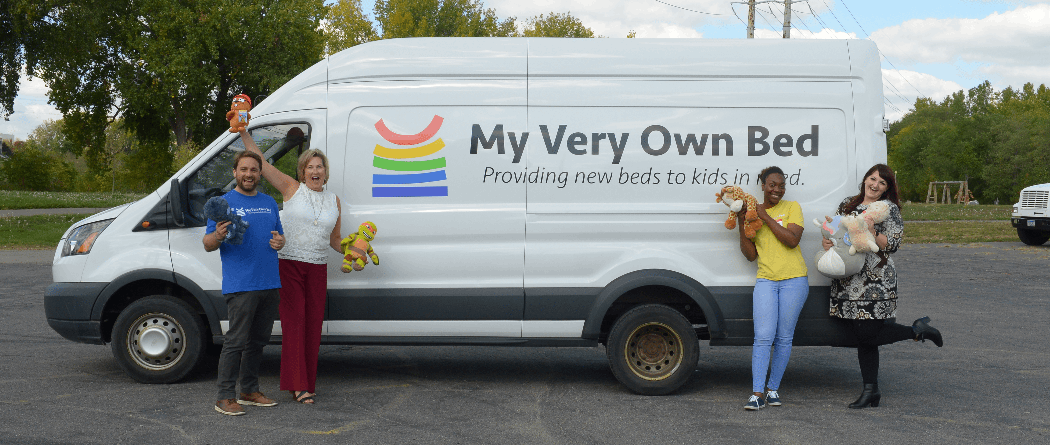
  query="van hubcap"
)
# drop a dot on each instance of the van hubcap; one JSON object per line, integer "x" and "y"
{"x": 155, "y": 341}
{"x": 653, "y": 351}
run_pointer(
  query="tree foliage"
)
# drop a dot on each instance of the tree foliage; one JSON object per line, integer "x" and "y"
{"x": 168, "y": 67}
{"x": 997, "y": 140}
{"x": 440, "y": 18}
{"x": 347, "y": 26}
{"x": 11, "y": 60}
{"x": 556, "y": 25}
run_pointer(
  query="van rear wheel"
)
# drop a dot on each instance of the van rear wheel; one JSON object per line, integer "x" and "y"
{"x": 1033, "y": 237}
{"x": 158, "y": 339}
{"x": 652, "y": 349}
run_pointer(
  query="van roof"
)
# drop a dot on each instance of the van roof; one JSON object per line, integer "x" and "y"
{"x": 567, "y": 57}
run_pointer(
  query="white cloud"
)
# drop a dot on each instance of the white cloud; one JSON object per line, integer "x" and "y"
{"x": 30, "y": 108}
{"x": 1011, "y": 47}
{"x": 899, "y": 88}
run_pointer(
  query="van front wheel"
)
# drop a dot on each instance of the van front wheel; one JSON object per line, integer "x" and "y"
{"x": 652, "y": 349}
{"x": 158, "y": 339}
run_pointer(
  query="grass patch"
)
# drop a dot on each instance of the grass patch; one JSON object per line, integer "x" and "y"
{"x": 34, "y": 232}
{"x": 956, "y": 232}
{"x": 11, "y": 199}
{"x": 954, "y": 212}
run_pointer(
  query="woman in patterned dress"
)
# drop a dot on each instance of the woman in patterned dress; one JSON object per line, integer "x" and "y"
{"x": 869, "y": 298}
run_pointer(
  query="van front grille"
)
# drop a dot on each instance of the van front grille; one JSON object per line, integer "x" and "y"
{"x": 1035, "y": 199}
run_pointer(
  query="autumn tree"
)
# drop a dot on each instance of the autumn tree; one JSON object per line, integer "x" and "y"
{"x": 347, "y": 26}
{"x": 556, "y": 25}
{"x": 440, "y": 18}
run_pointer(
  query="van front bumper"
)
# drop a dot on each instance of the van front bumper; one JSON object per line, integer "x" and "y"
{"x": 1040, "y": 224}
{"x": 67, "y": 307}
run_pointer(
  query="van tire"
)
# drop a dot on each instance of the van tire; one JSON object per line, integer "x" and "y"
{"x": 158, "y": 339}
{"x": 1033, "y": 237}
{"x": 652, "y": 349}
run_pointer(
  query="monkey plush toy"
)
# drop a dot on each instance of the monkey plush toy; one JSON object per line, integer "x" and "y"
{"x": 238, "y": 114}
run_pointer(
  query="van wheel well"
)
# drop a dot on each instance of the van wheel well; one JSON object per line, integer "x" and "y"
{"x": 138, "y": 290}
{"x": 664, "y": 295}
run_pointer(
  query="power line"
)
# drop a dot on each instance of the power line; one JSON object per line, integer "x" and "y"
{"x": 690, "y": 10}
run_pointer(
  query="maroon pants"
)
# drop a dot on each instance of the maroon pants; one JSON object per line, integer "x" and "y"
{"x": 303, "y": 294}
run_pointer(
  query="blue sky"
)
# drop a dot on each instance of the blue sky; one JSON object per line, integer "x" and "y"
{"x": 932, "y": 48}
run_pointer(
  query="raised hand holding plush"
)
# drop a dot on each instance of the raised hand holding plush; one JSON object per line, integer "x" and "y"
{"x": 238, "y": 114}
{"x": 357, "y": 248}
{"x": 218, "y": 210}
{"x": 736, "y": 199}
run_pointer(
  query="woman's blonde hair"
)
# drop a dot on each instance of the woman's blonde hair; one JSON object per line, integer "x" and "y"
{"x": 305, "y": 159}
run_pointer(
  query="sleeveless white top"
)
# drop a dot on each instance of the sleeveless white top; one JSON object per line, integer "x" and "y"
{"x": 308, "y": 219}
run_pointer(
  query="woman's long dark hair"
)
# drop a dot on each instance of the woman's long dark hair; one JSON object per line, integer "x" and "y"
{"x": 890, "y": 194}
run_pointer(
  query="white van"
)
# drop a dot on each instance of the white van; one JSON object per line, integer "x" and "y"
{"x": 1030, "y": 216}
{"x": 538, "y": 192}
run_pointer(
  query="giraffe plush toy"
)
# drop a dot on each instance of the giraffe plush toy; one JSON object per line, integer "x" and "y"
{"x": 737, "y": 199}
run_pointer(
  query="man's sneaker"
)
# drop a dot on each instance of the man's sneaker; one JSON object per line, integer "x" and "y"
{"x": 755, "y": 403}
{"x": 229, "y": 407}
{"x": 256, "y": 399}
{"x": 772, "y": 398}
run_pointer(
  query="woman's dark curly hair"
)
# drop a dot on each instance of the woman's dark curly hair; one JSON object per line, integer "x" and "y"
{"x": 890, "y": 194}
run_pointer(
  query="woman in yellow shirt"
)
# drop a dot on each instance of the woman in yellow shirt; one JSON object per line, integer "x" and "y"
{"x": 781, "y": 286}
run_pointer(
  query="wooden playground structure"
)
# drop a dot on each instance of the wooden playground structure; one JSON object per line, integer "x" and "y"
{"x": 940, "y": 192}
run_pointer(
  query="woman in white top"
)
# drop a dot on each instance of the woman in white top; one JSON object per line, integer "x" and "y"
{"x": 311, "y": 220}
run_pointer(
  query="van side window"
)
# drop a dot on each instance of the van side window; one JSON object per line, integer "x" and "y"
{"x": 281, "y": 146}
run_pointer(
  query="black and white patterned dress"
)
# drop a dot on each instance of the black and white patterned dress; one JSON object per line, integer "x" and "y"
{"x": 871, "y": 293}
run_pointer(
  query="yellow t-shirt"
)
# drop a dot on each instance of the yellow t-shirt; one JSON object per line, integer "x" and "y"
{"x": 776, "y": 261}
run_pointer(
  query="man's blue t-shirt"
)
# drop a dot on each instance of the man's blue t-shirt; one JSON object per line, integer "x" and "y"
{"x": 253, "y": 264}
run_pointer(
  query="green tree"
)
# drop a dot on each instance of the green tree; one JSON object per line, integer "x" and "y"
{"x": 440, "y": 18}
{"x": 347, "y": 26}
{"x": 11, "y": 60}
{"x": 168, "y": 67}
{"x": 556, "y": 25}
{"x": 31, "y": 167}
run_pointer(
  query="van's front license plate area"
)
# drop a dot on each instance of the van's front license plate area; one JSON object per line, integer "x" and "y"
{"x": 1031, "y": 223}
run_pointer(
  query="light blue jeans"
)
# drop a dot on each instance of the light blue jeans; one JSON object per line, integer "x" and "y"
{"x": 776, "y": 308}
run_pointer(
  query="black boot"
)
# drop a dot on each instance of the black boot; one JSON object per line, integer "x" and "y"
{"x": 923, "y": 331}
{"x": 870, "y": 396}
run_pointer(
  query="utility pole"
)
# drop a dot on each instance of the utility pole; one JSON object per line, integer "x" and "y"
{"x": 750, "y": 19}
{"x": 787, "y": 19}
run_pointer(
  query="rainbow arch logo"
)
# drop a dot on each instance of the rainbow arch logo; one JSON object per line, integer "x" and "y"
{"x": 412, "y": 171}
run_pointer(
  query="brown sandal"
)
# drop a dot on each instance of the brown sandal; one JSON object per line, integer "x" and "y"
{"x": 303, "y": 397}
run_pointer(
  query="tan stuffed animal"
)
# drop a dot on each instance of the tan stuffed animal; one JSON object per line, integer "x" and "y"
{"x": 238, "y": 114}
{"x": 860, "y": 238}
{"x": 737, "y": 199}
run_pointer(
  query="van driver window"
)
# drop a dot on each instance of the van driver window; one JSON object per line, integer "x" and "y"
{"x": 281, "y": 145}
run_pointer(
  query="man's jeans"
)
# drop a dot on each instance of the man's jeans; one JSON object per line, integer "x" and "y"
{"x": 251, "y": 316}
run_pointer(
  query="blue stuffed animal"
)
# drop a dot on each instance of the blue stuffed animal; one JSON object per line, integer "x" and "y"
{"x": 218, "y": 210}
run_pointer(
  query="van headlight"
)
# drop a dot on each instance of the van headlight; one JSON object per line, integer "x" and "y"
{"x": 83, "y": 237}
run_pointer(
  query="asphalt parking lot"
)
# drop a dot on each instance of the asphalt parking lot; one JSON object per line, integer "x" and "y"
{"x": 986, "y": 385}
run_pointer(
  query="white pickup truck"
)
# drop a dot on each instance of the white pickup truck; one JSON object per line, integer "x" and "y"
{"x": 1030, "y": 215}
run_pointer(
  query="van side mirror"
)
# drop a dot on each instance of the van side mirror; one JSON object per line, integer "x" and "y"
{"x": 177, "y": 204}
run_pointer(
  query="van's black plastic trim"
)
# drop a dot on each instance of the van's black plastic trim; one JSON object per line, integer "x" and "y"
{"x": 71, "y": 301}
{"x": 80, "y": 331}
{"x": 634, "y": 280}
{"x": 456, "y": 341}
{"x": 426, "y": 304}
{"x": 569, "y": 303}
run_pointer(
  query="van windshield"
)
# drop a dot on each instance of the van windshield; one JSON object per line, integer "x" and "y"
{"x": 281, "y": 146}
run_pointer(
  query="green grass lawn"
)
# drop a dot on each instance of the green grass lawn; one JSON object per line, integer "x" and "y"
{"x": 955, "y": 212}
{"x": 34, "y": 232}
{"x": 940, "y": 223}
{"x": 10, "y": 200}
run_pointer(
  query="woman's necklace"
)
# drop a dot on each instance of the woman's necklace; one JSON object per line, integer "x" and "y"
{"x": 317, "y": 211}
